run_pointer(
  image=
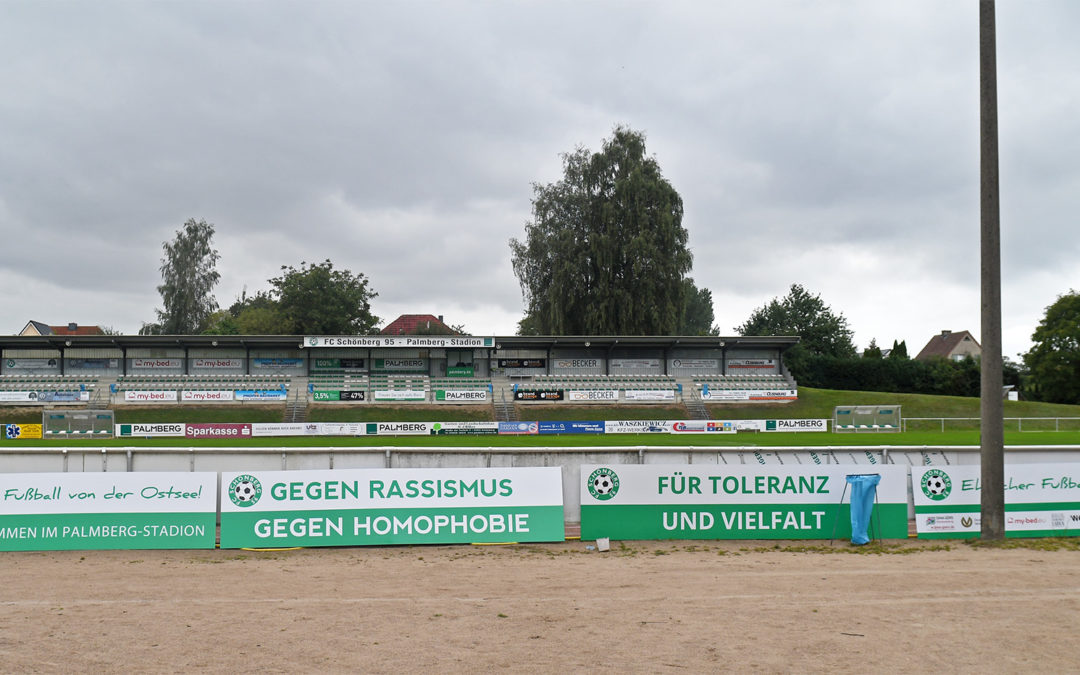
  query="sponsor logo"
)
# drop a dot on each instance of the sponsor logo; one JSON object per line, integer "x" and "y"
{"x": 245, "y": 490}
{"x": 518, "y": 428}
{"x": 522, "y": 363}
{"x": 594, "y": 395}
{"x": 572, "y": 364}
{"x": 543, "y": 395}
{"x": 936, "y": 484}
{"x": 603, "y": 484}
{"x": 966, "y": 521}
{"x": 461, "y": 395}
{"x": 353, "y": 395}
{"x": 217, "y": 430}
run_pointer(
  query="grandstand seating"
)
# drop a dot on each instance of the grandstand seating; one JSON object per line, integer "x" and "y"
{"x": 608, "y": 382}
{"x": 728, "y": 382}
{"x": 210, "y": 382}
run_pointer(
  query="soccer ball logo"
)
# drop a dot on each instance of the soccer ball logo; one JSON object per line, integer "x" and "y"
{"x": 936, "y": 484}
{"x": 245, "y": 490}
{"x": 603, "y": 484}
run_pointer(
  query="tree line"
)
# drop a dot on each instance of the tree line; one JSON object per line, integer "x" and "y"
{"x": 605, "y": 253}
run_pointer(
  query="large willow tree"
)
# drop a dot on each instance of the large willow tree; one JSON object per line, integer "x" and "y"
{"x": 605, "y": 253}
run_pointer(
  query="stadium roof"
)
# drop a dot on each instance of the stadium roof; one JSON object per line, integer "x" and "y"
{"x": 297, "y": 341}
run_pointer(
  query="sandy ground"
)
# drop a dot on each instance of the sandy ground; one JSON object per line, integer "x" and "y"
{"x": 642, "y": 607}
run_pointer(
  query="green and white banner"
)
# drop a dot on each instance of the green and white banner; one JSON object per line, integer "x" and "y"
{"x": 79, "y": 511}
{"x": 719, "y": 501}
{"x": 1041, "y": 500}
{"x": 363, "y": 507}
{"x": 461, "y": 395}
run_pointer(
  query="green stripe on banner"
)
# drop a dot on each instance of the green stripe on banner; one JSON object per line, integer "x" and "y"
{"x": 975, "y": 508}
{"x": 381, "y": 527}
{"x": 744, "y": 521}
{"x": 101, "y": 531}
{"x": 1009, "y": 534}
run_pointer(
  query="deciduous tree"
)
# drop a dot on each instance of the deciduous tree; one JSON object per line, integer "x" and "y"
{"x": 605, "y": 252}
{"x": 1054, "y": 358}
{"x": 316, "y": 299}
{"x": 188, "y": 277}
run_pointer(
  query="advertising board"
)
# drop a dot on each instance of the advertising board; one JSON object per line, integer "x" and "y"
{"x": 400, "y": 395}
{"x": 217, "y": 430}
{"x": 519, "y": 428}
{"x": 573, "y": 427}
{"x": 1041, "y": 500}
{"x": 538, "y": 395}
{"x": 84, "y": 511}
{"x": 157, "y": 396}
{"x": 666, "y": 395}
{"x": 217, "y": 364}
{"x": 796, "y": 425}
{"x": 261, "y": 394}
{"x": 162, "y": 429}
{"x": 14, "y": 432}
{"x": 693, "y": 501}
{"x": 594, "y": 395}
{"x": 461, "y": 395}
{"x": 206, "y": 395}
{"x": 465, "y": 428}
{"x": 157, "y": 364}
{"x": 362, "y": 507}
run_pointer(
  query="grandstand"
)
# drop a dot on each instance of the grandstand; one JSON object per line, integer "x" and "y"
{"x": 408, "y": 369}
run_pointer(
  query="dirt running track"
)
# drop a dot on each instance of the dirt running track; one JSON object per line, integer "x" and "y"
{"x": 647, "y": 607}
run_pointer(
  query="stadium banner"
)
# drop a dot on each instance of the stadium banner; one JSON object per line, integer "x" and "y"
{"x": 261, "y": 394}
{"x": 749, "y": 425}
{"x": 465, "y": 428}
{"x": 276, "y": 363}
{"x": 339, "y": 395}
{"x": 519, "y": 428}
{"x": 285, "y": 429}
{"x": 343, "y": 428}
{"x": 217, "y": 364}
{"x": 637, "y": 427}
{"x": 650, "y": 395}
{"x": 774, "y": 395}
{"x": 400, "y": 395}
{"x": 796, "y": 425}
{"x": 696, "y": 364}
{"x": 693, "y": 501}
{"x": 576, "y": 364}
{"x": 538, "y": 395}
{"x": 702, "y": 427}
{"x": 43, "y": 396}
{"x": 160, "y": 364}
{"x": 519, "y": 364}
{"x": 347, "y": 365}
{"x": 150, "y": 430}
{"x": 385, "y": 507}
{"x": 399, "y": 428}
{"x": 156, "y": 396}
{"x": 1041, "y": 500}
{"x": 398, "y": 365}
{"x": 353, "y": 395}
{"x": 749, "y": 395}
{"x": 752, "y": 364}
{"x": 206, "y": 395}
{"x": 597, "y": 395}
{"x": 460, "y": 371}
{"x": 634, "y": 364}
{"x": 16, "y": 432}
{"x": 461, "y": 395}
{"x": 570, "y": 428}
{"x": 318, "y": 395}
{"x": 93, "y": 364}
{"x": 217, "y": 430}
{"x": 97, "y": 511}
{"x": 407, "y": 341}
{"x": 31, "y": 364}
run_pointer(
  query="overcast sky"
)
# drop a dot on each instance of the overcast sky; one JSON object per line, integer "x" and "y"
{"x": 831, "y": 144}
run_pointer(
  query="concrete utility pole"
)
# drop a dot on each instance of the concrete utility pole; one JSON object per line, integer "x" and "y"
{"x": 992, "y": 431}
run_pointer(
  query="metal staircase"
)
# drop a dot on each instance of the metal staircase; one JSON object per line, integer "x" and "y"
{"x": 695, "y": 407}
{"x": 502, "y": 400}
{"x": 296, "y": 405}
